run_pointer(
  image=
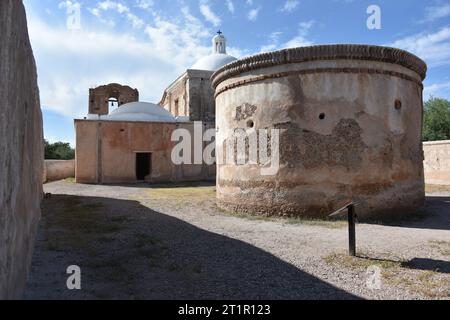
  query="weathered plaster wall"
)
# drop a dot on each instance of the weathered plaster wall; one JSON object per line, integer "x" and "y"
{"x": 21, "y": 150}
{"x": 106, "y": 152}
{"x": 437, "y": 162}
{"x": 350, "y": 131}
{"x": 202, "y": 105}
{"x": 191, "y": 95}
{"x": 58, "y": 170}
{"x": 175, "y": 98}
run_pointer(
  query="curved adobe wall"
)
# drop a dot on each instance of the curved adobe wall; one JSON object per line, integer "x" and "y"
{"x": 350, "y": 119}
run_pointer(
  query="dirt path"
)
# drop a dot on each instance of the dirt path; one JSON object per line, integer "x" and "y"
{"x": 136, "y": 242}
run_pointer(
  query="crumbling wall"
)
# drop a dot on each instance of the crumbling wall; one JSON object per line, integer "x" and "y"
{"x": 99, "y": 97}
{"x": 349, "y": 119}
{"x": 21, "y": 150}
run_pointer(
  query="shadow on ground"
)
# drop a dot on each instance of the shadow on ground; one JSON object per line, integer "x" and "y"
{"x": 127, "y": 251}
{"x": 435, "y": 216}
{"x": 423, "y": 264}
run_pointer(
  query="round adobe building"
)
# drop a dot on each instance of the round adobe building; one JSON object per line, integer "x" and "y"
{"x": 349, "y": 119}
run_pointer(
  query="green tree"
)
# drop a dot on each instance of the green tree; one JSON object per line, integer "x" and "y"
{"x": 58, "y": 151}
{"x": 436, "y": 124}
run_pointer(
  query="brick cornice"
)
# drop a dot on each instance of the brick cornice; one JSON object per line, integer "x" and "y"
{"x": 322, "y": 52}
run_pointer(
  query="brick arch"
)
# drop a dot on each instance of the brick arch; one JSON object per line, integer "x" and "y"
{"x": 98, "y": 97}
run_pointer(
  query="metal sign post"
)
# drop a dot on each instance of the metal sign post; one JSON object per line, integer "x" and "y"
{"x": 350, "y": 208}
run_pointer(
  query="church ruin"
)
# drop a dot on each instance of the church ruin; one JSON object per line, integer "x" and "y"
{"x": 349, "y": 119}
{"x": 133, "y": 142}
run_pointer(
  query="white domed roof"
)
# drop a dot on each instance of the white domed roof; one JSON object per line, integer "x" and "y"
{"x": 140, "y": 111}
{"x": 219, "y": 56}
{"x": 213, "y": 62}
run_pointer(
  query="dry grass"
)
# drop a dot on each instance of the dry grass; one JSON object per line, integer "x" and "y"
{"x": 442, "y": 246}
{"x": 429, "y": 284}
{"x": 70, "y": 180}
{"x": 399, "y": 273}
{"x": 72, "y": 224}
{"x": 330, "y": 224}
{"x": 177, "y": 195}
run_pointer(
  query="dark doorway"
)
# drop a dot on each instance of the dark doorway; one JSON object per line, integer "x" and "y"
{"x": 143, "y": 165}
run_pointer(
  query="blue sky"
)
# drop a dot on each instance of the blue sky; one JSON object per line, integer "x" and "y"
{"x": 148, "y": 43}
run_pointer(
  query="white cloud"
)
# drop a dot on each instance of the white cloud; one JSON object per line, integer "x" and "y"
{"x": 120, "y": 8}
{"x": 209, "y": 15}
{"x": 144, "y": 4}
{"x": 230, "y": 6}
{"x": 290, "y": 5}
{"x": 253, "y": 14}
{"x": 300, "y": 40}
{"x": 434, "y": 48}
{"x": 71, "y": 62}
{"x": 437, "y": 12}
{"x": 437, "y": 89}
{"x": 68, "y": 4}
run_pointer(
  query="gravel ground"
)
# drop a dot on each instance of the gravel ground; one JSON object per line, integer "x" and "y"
{"x": 172, "y": 242}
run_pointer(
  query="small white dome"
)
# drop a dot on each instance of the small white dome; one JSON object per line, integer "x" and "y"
{"x": 213, "y": 62}
{"x": 219, "y": 56}
{"x": 140, "y": 111}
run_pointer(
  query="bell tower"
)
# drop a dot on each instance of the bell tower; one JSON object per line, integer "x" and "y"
{"x": 219, "y": 44}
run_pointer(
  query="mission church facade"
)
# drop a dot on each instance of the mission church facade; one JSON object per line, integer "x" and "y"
{"x": 133, "y": 142}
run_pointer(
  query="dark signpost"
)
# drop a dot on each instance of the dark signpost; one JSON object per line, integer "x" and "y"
{"x": 350, "y": 208}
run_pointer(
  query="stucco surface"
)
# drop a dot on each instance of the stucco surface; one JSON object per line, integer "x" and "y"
{"x": 437, "y": 162}
{"x": 106, "y": 152}
{"x": 59, "y": 169}
{"x": 350, "y": 130}
{"x": 21, "y": 150}
{"x": 191, "y": 95}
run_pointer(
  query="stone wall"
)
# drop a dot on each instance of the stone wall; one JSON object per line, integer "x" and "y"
{"x": 99, "y": 97}
{"x": 21, "y": 150}
{"x": 437, "y": 162}
{"x": 55, "y": 170}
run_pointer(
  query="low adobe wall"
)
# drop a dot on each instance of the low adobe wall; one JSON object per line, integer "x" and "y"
{"x": 55, "y": 170}
{"x": 437, "y": 162}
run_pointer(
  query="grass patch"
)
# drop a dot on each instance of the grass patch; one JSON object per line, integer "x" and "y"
{"x": 70, "y": 180}
{"x": 180, "y": 192}
{"x": 399, "y": 273}
{"x": 442, "y": 246}
{"x": 177, "y": 196}
{"x": 429, "y": 284}
{"x": 326, "y": 223}
{"x": 361, "y": 262}
{"x": 74, "y": 224}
